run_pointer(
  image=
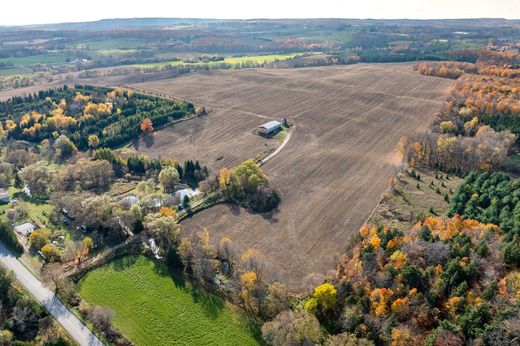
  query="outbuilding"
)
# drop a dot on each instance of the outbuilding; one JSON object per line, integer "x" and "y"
{"x": 270, "y": 127}
{"x": 25, "y": 229}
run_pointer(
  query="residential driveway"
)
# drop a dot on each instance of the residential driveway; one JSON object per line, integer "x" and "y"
{"x": 46, "y": 297}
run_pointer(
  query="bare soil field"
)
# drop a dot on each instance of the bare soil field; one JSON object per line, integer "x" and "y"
{"x": 197, "y": 138}
{"x": 10, "y": 93}
{"x": 334, "y": 169}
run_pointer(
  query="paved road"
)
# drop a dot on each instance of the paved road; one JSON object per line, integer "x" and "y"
{"x": 70, "y": 323}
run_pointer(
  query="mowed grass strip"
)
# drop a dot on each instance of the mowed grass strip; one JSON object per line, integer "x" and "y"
{"x": 156, "y": 307}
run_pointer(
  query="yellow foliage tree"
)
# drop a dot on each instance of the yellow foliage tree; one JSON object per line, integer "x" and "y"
{"x": 380, "y": 298}
{"x": 375, "y": 241}
{"x": 223, "y": 177}
{"x": 452, "y": 305}
{"x": 248, "y": 281}
{"x": 402, "y": 336}
{"x": 324, "y": 298}
{"x": 50, "y": 252}
{"x": 10, "y": 125}
{"x": 399, "y": 259}
{"x": 86, "y": 245}
{"x": 447, "y": 127}
{"x": 93, "y": 141}
{"x": 97, "y": 109}
{"x": 24, "y": 122}
{"x": 165, "y": 211}
{"x": 401, "y": 307}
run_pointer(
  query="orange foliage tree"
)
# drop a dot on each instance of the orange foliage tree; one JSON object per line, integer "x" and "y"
{"x": 147, "y": 126}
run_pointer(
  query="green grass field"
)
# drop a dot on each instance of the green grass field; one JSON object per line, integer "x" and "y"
{"x": 258, "y": 59}
{"x": 25, "y": 65}
{"x": 51, "y": 58}
{"x": 156, "y": 307}
{"x": 11, "y": 71}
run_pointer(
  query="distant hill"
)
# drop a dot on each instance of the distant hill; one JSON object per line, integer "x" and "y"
{"x": 155, "y": 23}
{"x": 122, "y": 23}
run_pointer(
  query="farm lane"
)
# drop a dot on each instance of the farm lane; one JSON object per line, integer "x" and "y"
{"x": 76, "y": 329}
{"x": 274, "y": 153}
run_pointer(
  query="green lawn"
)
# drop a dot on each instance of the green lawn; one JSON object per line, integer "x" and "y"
{"x": 229, "y": 60}
{"x": 156, "y": 307}
{"x": 51, "y": 58}
{"x": 25, "y": 65}
{"x": 35, "y": 209}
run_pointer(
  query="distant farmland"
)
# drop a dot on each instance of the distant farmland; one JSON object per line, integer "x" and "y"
{"x": 25, "y": 65}
{"x": 255, "y": 59}
{"x": 334, "y": 169}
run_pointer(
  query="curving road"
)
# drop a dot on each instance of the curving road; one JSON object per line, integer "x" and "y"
{"x": 46, "y": 297}
{"x": 280, "y": 147}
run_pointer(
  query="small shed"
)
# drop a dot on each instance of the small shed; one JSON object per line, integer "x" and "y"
{"x": 25, "y": 229}
{"x": 4, "y": 196}
{"x": 269, "y": 128}
{"x": 180, "y": 194}
{"x": 128, "y": 201}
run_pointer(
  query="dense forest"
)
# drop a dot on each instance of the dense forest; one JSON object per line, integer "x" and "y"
{"x": 477, "y": 127}
{"x": 444, "y": 282}
{"x": 491, "y": 198}
{"x": 102, "y": 116}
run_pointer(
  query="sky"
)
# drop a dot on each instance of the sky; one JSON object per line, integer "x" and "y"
{"x": 20, "y": 12}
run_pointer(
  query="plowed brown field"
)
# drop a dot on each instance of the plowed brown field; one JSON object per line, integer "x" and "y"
{"x": 335, "y": 167}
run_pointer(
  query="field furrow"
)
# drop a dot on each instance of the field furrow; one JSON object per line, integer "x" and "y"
{"x": 332, "y": 172}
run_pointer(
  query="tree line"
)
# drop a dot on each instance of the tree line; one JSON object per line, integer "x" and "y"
{"x": 477, "y": 126}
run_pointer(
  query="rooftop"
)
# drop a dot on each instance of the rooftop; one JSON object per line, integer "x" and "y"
{"x": 25, "y": 228}
{"x": 271, "y": 124}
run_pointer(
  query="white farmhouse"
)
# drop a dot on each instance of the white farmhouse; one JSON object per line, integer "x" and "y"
{"x": 25, "y": 229}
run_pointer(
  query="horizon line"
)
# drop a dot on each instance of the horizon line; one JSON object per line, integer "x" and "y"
{"x": 251, "y": 19}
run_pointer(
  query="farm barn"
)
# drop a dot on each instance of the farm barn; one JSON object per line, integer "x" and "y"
{"x": 269, "y": 128}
